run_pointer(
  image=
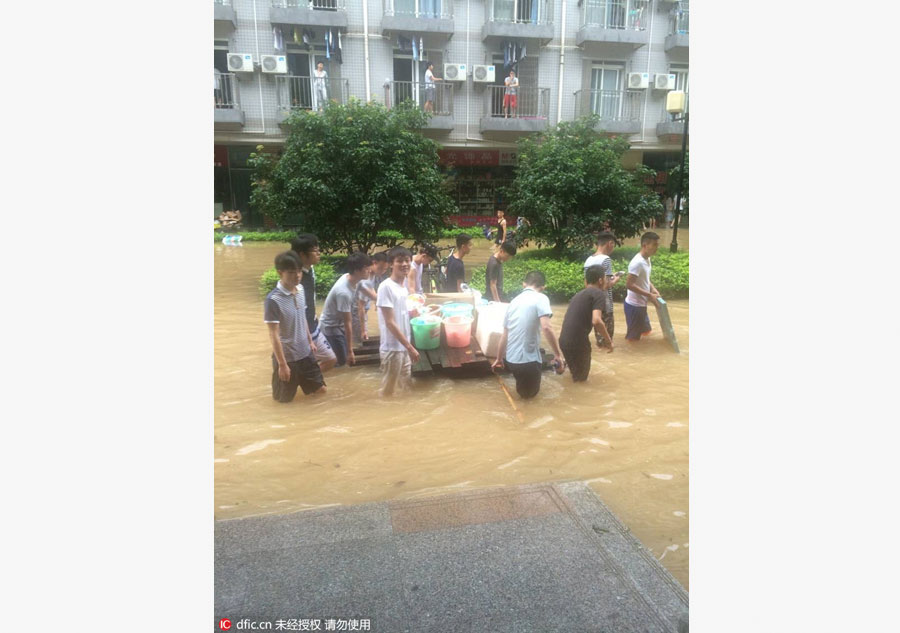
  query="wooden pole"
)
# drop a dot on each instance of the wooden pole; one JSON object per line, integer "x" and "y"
{"x": 509, "y": 397}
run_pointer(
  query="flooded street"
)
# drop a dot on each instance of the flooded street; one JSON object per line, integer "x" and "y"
{"x": 624, "y": 432}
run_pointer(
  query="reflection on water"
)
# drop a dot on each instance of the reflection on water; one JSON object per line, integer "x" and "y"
{"x": 625, "y": 431}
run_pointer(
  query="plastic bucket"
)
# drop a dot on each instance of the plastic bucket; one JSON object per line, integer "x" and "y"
{"x": 458, "y": 330}
{"x": 457, "y": 309}
{"x": 426, "y": 332}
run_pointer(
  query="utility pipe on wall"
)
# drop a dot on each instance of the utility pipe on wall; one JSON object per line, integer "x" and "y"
{"x": 649, "y": 50}
{"x": 366, "y": 47}
{"x": 262, "y": 109}
{"x": 562, "y": 62}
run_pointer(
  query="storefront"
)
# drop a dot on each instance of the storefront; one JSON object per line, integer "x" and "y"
{"x": 480, "y": 177}
{"x": 231, "y": 188}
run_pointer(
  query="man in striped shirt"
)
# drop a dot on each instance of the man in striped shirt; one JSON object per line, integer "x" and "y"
{"x": 293, "y": 351}
{"x": 606, "y": 243}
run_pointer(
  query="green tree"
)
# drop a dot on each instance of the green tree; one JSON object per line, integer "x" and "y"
{"x": 352, "y": 171}
{"x": 570, "y": 183}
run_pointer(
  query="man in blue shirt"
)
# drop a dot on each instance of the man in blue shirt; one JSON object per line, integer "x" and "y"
{"x": 520, "y": 346}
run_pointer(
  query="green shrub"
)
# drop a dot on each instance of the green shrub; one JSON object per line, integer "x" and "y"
{"x": 565, "y": 277}
{"x": 258, "y": 236}
{"x": 326, "y": 275}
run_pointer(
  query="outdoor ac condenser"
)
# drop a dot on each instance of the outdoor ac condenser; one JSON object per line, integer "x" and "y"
{"x": 638, "y": 81}
{"x": 664, "y": 82}
{"x": 273, "y": 63}
{"x": 483, "y": 73}
{"x": 240, "y": 63}
{"x": 454, "y": 72}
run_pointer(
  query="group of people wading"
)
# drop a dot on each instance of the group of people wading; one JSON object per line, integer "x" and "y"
{"x": 305, "y": 346}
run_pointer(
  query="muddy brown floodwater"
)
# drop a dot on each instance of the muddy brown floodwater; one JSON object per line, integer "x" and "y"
{"x": 624, "y": 432}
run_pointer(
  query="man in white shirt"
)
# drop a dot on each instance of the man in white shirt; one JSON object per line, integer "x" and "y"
{"x": 509, "y": 94}
{"x": 520, "y": 345}
{"x": 321, "y": 86}
{"x": 640, "y": 290}
{"x": 396, "y": 351}
{"x": 606, "y": 243}
{"x": 429, "y": 87}
{"x": 427, "y": 254}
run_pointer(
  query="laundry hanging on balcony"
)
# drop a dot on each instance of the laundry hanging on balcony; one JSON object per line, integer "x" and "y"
{"x": 331, "y": 49}
{"x": 415, "y": 44}
{"x": 513, "y": 53}
{"x": 278, "y": 41}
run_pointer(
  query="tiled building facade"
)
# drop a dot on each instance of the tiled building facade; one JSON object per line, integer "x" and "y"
{"x": 618, "y": 58}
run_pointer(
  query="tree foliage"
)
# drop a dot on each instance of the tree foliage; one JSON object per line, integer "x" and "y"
{"x": 570, "y": 183}
{"x": 352, "y": 171}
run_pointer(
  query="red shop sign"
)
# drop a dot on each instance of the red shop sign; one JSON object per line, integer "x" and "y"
{"x": 469, "y": 157}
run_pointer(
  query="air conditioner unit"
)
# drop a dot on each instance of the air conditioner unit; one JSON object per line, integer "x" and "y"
{"x": 454, "y": 72}
{"x": 240, "y": 63}
{"x": 273, "y": 63}
{"x": 638, "y": 80}
{"x": 483, "y": 73}
{"x": 664, "y": 82}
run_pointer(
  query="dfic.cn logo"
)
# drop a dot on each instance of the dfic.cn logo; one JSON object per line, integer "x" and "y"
{"x": 224, "y": 624}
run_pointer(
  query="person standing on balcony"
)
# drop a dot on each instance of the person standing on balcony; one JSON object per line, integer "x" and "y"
{"x": 321, "y": 88}
{"x": 217, "y": 89}
{"x": 509, "y": 94}
{"x": 429, "y": 87}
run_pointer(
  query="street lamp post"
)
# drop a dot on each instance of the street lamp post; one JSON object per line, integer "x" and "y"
{"x": 674, "y": 246}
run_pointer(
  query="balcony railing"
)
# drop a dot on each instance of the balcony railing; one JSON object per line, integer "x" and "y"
{"x": 226, "y": 91}
{"x": 441, "y": 96}
{"x": 531, "y": 103}
{"x": 310, "y": 93}
{"x": 325, "y": 5}
{"x": 679, "y": 19}
{"x": 224, "y": 3}
{"x": 633, "y": 15}
{"x": 439, "y": 9}
{"x": 611, "y": 105}
{"x": 521, "y": 11}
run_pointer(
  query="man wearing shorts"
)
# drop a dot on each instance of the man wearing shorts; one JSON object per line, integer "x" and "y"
{"x": 337, "y": 320}
{"x": 509, "y": 94}
{"x": 520, "y": 345}
{"x": 306, "y": 247}
{"x": 585, "y": 312}
{"x": 293, "y": 359}
{"x": 640, "y": 290}
{"x": 396, "y": 352}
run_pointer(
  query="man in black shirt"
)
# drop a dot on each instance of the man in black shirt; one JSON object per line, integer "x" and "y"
{"x": 306, "y": 246}
{"x": 456, "y": 270}
{"x": 585, "y": 312}
{"x": 493, "y": 277}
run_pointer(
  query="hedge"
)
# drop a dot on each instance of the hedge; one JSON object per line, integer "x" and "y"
{"x": 388, "y": 238}
{"x": 565, "y": 276}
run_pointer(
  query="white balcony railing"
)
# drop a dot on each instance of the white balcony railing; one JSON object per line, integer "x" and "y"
{"x": 611, "y": 105}
{"x": 434, "y": 9}
{"x": 441, "y": 98}
{"x": 325, "y": 5}
{"x": 679, "y": 18}
{"x": 226, "y": 91}
{"x": 310, "y": 93}
{"x": 521, "y": 11}
{"x": 631, "y": 15}
{"x": 531, "y": 103}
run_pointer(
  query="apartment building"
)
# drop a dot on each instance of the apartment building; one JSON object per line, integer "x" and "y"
{"x": 616, "y": 58}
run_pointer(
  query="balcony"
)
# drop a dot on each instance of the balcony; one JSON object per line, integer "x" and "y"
{"x": 518, "y": 20}
{"x": 621, "y": 111}
{"x": 441, "y": 121}
{"x": 223, "y": 19}
{"x": 623, "y": 23}
{"x": 667, "y": 130}
{"x": 679, "y": 28}
{"x": 295, "y": 93}
{"x": 530, "y": 115}
{"x": 422, "y": 17}
{"x": 327, "y": 13}
{"x": 228, "y": 113}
